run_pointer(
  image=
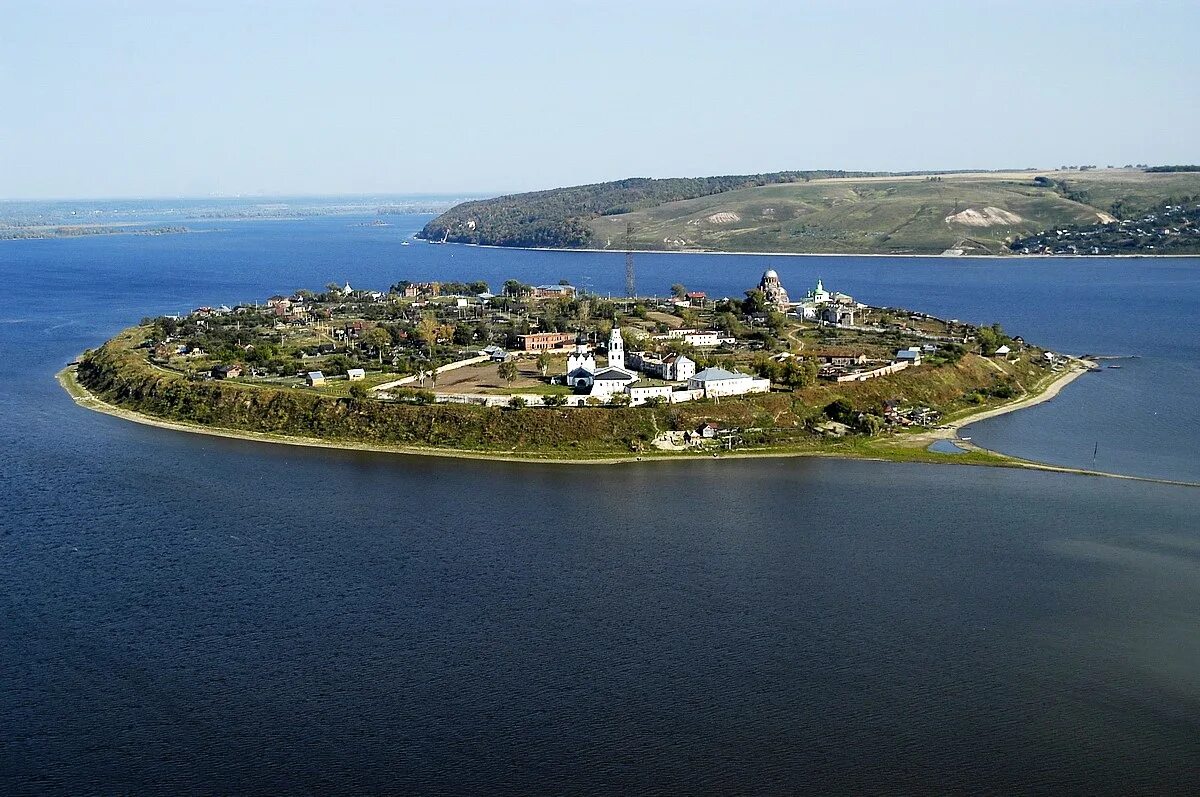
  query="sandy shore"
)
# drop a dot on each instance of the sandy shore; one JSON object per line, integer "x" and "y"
{"x": 914, "y": 444}
{"x": 1051, "y": 389}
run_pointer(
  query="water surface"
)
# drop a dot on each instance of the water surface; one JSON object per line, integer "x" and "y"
{"x": 181, "y": 613}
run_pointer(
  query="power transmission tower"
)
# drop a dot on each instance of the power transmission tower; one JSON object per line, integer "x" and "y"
{"x": 630, "y": 287}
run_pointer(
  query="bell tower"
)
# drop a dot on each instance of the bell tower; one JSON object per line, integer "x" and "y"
{"x": 616, "y": 349}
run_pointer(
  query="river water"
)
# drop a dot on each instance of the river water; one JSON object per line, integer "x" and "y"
{"x": 188, "y": 614}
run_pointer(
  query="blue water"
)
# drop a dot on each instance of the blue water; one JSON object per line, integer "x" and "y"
{"x": 190, "y": 614}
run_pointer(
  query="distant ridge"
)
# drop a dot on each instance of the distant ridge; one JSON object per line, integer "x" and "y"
{"x": 558, "y": 217}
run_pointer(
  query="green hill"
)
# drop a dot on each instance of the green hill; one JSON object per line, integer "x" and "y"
{"x": 975, "y": 213}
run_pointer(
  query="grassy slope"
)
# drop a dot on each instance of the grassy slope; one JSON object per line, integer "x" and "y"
{"x": 884, "y": 215}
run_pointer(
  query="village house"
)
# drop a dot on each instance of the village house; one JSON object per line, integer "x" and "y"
{"x": 553, "y": 291}
{"x": 315, "y": 379}
{"x": 840, "y": 357}
{"x": 356, "y": 374}
{"x": 837, "y": 315}
{"x": 415, "y": 289}
{"x": 226, "y": 371}
{"x": 495, "y": 353}
{"x": 911, "y": 355}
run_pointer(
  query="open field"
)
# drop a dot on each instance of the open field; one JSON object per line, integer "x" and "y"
{"x": 974, "y": 213}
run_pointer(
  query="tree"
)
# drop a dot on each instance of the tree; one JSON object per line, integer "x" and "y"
{"x": 358, "y": 392}
{"x": 678, "y": 291}
{"x": 619, "y": 400}
{"x": 839, "y": 410}
{"x": 990, "y": 338}
{"x": 516, "y": 402}
{"x": 427, "y": 331}
{"x": 554, "y": 400}
{"x": 870, "y": 424}
{"x": 756, "y": 302}
{"x": 516, "y": 288}
{"x": 543, "y": 362}
{"x": 445, "y": 332}
{"x": 379, "y": 338}
{"x": 507, "y": 371}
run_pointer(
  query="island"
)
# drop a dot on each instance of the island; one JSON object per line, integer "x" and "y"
{"x": 551, "y": 373}
{"x": 1072, "y": 210}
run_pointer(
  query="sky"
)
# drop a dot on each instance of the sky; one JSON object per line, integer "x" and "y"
{"x": 173, "y": 98}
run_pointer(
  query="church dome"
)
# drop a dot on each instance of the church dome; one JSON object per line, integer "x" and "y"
{"x": 770, "y": 274}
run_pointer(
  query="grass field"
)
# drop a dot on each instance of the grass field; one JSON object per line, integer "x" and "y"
{"x": 975, "y": 213}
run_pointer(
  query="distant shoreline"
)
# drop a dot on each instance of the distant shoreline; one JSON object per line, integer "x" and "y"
{"x": 98, "y": 231}
{"x": 904, "y": 448}
{"x": 804, "y": 254}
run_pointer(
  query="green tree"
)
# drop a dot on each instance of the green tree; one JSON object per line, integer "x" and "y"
{"x": 839, "y": 410}
{"x": 379, "y": 338}
{"x": 543, "y": 362}
{"x": 678, "y": 291}
{"x": 507, "y": 371}
{"x": 756, "y": 302}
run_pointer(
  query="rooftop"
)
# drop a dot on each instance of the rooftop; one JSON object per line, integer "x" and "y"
{"x": 714, "y": 374}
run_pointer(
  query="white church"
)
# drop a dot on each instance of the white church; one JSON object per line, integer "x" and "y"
{"x": 615, "y": 377}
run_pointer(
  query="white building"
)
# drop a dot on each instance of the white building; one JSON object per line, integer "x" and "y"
{"x": 639, "y": 394}
{"x": 607, "y": 382}
{"x": 356, "y": 374}
{"x": 910, "y": 355}
{"x": 719, "y": 382}
{"x": 702, "y": 339}
{"x": 818, "y": 295}
{"x": 678, "y": 368}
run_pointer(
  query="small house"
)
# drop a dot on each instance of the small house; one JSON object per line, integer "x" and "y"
{"x": 708, "y": 430}
{"x": 315, "y": 379}
{"x": 1003, "y": 351}
{"x": 356, "y": 374}
{"x": 226, "y": 371}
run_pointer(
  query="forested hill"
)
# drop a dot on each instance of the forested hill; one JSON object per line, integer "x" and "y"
{"x": 559, "y": 218}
